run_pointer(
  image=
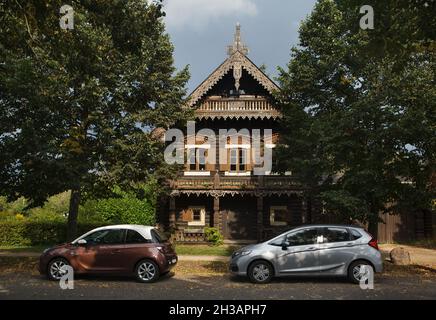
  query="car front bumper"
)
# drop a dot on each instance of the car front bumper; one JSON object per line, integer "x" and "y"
{"x": 239, "y": 265}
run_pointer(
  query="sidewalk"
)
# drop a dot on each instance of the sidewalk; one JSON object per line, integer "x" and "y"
{"x": 419, "y": 256}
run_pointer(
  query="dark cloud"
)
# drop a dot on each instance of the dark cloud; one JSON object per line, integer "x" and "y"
{"x": 269, "y": 28}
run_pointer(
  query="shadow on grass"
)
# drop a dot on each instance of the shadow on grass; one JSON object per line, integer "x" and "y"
{"x": 205, "y": 250}
{"x": 412, "y": 269}
{"x": 33, "y": 249}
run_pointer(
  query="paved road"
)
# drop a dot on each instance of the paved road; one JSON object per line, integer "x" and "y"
{"x": 25, "y": 286}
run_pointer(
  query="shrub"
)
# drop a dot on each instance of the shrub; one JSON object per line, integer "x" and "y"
{"x": 124, "y": 207}
{"x": 30, "y": 232}
{"x": 7, "y": 215}
{"x": 17, "y": 206}
{"x": 213, "y": 236}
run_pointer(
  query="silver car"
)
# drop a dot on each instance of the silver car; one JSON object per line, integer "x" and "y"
{"x": 311, "y": 250}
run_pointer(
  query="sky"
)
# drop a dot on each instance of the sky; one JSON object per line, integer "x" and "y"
{"x": 201, "y": 30}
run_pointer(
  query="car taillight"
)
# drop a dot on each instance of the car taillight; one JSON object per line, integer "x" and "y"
{"x": 373, "y": 243}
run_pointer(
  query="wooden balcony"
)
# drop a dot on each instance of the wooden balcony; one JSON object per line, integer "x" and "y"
{"x": 242, "y": 107}
{"x": 221, "y": 182}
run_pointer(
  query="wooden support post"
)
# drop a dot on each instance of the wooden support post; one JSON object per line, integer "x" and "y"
{"x": 216, "y": 213}
{"x": 419, "y": 225}
{"x": 172, "y": 213}
{"x": 259, "y": 218}
{"x": 304, "y": 218}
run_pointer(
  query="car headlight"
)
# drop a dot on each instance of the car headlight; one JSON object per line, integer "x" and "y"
{"x": 241, "y": 253}
{"x": 46, "y": 250}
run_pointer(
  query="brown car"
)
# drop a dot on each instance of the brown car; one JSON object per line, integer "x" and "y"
{"x": 122, "y": 249}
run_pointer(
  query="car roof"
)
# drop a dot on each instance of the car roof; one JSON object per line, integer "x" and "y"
{"x": 331, "y": 225}
{"x": 145, "y": 231}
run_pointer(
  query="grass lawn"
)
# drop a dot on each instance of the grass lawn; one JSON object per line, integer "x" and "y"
{"x": 205, "y": 250}
{"x": 426, "y": 244}
{"x": 181, "y": 249}
{"x": 18, "y": 249}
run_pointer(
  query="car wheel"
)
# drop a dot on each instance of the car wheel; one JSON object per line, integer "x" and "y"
{"x": 55, "y": 270}
{"x": 260, "y": 272}
{"x": 359, "y": 270}
{"x": 147, "y": 271}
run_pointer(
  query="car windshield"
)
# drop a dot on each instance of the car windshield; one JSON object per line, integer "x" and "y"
{"x": 279, "y": 241}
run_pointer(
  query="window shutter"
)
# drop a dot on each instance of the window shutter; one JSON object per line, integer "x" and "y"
{"x": 187, "y": 215}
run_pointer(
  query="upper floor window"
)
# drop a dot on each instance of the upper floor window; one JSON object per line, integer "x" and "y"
{"x": 197, "y": 159}
{"x": 238, "y": 160}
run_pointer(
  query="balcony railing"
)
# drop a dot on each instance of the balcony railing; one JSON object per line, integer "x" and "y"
{"x": 250, "y": 107}
{"x": 221, "y": 182}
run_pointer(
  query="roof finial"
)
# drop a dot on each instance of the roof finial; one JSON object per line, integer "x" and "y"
{"x": 237, "y": 43}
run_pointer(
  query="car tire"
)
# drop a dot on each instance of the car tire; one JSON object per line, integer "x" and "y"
{"x": 260, "y": 272}
{"x": 54, "y": 268}
{"x": 355, "y": 272}
{"x": 147, "y": 271}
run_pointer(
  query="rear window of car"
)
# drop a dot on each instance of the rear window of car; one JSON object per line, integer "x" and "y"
{"x": 134, "y": 237}
{"x": 355, "y": 234}
{"x": 158, "y": 237}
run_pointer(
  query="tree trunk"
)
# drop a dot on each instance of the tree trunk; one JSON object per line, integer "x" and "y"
{"x": 373, "y": 228}
{"x": 73, "y": 213}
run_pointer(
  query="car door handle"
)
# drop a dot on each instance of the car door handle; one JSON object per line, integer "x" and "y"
{"x": 350, "y": 244}
{"x": 311, "y": 248}
{"x": 115, "y": 251}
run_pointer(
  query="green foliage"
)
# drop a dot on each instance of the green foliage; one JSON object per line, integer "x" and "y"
{"x": 359, "y": 107}
{"x": 124, "y": 206}
{"x": 126, "y": 209}
{"x": 17, "y": 206}
{"x": 213, "y": 235}
{"x": 54, "y": 209}
{"x": 77, "y": 106}
{"x": 29, "y": 233}
{"x": 344, "y": 206}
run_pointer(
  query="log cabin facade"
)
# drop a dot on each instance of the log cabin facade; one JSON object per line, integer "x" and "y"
{"x": 242, "y": 205}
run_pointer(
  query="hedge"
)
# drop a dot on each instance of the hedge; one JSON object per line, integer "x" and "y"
{"x": 30, "y": 233}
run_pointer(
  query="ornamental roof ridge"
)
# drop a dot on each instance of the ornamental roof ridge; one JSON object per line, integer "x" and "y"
{"x": 237, "y": 60}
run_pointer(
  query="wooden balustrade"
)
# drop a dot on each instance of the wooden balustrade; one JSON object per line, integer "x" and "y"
{"x": 243, "y": 106}
{"x": 233, "y": 183}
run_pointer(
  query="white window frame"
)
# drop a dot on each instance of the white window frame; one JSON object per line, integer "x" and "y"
{"x": 197, "y": 162}
{"x": 202, "y": 221}
{"x": 196, "y": 173}
{"x": 272, "y": 217}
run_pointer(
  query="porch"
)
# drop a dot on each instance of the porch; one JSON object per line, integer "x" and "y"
{"x": 246, "y": 217}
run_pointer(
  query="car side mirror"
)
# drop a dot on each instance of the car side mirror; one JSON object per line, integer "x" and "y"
{"x": 81, "y": 242}
{"x": 285, "y": 245}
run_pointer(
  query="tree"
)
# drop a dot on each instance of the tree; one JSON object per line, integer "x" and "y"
{"x": 77, "y": 105}
{"x": 357, "y": 104}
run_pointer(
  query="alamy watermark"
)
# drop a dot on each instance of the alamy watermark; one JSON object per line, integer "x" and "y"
{"x": 234, "y": 147}
{"x": 367, "y": 20}
{"x": 366, "y": 274}
{"x": 66, "y": 282}
{"x": 66, "y": 21}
